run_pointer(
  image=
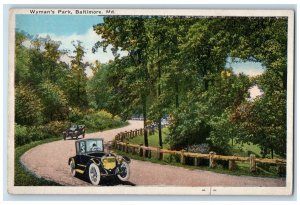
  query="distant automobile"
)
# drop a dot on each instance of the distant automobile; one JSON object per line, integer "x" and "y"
{"x": 74, "y": 132}
{"x": 91, "y": 161}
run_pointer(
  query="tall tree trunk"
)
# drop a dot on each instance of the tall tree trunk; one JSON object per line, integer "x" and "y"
{"x": 145, "y": 120}
{"x": 159, "y": 93}
{"x": 177, "y": 93}
{"x": 78, "y": 91}
{"x": 272, "y": 152}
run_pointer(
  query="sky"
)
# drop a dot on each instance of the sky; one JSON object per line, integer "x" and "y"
{"x": 68, "y": 28}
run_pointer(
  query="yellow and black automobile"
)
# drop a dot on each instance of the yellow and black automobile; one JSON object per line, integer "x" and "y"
{"x": 92, "y": 161}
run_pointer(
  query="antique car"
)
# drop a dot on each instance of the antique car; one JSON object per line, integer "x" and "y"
{"x": 74, "y": 131}
{"x": 92, "y": 162}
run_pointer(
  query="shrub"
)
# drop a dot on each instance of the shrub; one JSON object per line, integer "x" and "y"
{"x": 21, "y": 135}
{"x": 100, "y": 120}
{"x": 28, "y": 134}
{"x": 75, "y": 115}
{"x": 55, "y": 128}
{"x": 28, "y": 107}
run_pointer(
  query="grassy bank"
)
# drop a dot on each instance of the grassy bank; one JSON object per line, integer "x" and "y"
{"x": 152, "y": 139}
{"x": 237, "y": 148}
{"x": 242, "y": 169}
{"x": 22, "y": 176}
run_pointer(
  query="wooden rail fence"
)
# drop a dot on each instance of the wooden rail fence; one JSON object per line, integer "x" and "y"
{"x": 144, "y": 151}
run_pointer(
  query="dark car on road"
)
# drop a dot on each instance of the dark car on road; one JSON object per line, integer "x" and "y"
{"x": 94, "y": 163}
{"x": 74, "y": 131}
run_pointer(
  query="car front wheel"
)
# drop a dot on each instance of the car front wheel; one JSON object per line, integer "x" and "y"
{"x": 94, "y": 174}
{"x": 124, "y": 173}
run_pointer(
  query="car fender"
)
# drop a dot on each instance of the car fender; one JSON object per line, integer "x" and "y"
{"x": 126, "y": 159}
{"x": 98, "y": 163}
{"x": 95, "y": 161}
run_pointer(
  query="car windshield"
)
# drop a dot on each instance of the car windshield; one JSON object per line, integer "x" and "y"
{"x": 89, "y": 145}
{"x": 73, "y": 127}
{"x": 94, "y": 145}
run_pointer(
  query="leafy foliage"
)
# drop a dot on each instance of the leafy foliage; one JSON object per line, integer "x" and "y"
{"x": 50, "y": 95}
{"x": 176, "y": 66}
{"x": 54, "y": 100}
{"x": 28, "y": 106}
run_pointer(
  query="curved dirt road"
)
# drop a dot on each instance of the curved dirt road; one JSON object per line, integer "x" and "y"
{"x": 50, "y": 162}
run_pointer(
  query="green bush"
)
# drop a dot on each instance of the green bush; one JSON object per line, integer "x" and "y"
{"x": 75, "y": 115}
{"x": 55, "y": 128}
{"x": 21, "y": 135}
{"x": 27, "y": 134}
{"x": 94, "y": 121}
{"x": 100, "y": 120}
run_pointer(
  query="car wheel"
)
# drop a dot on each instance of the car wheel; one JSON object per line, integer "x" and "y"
{"x": 72, "y": 168}
{"x": 94, "y": 174}
{"x": 124, "y": 172}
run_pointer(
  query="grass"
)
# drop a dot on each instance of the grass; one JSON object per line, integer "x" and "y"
{"x": 152, "y": 139}
{"x": 240, "y": 149}
{"x": 245, "y": 149}
{"x": 237, "y": 148}
{"x": 24, "y": 177}
{"x": 241, "y": 170}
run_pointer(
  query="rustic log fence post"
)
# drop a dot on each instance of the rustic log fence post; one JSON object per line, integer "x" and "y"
{"x": 196, "y": 161}
{"x": 141, "y": 131}
{"x": 212, "y": 162}
{"x": 126, "y": 147}
{"x": 232, "y": 164}
{"x": 140, "y": 150}
{"x": 159, "y": 155}
{"x": 252, "y": 163}
{"x": 182, "y": 157}
{"x": 144, "y": 152}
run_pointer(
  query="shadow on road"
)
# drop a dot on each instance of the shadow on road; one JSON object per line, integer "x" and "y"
{"x": 107, "y": 181}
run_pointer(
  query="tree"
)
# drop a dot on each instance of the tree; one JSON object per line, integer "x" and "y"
{"x": 77, "y": 79}
{"x": 264, "y": 120}
{"x": 128, "y": 33}
{"x": 28, "y": 106}
{"x": 54, "y": 101}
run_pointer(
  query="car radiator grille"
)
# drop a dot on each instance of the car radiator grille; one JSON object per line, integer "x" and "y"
{"x": 109, "y": 162}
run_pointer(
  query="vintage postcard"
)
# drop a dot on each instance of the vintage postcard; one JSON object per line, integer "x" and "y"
{"x": 151, "y": 101}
